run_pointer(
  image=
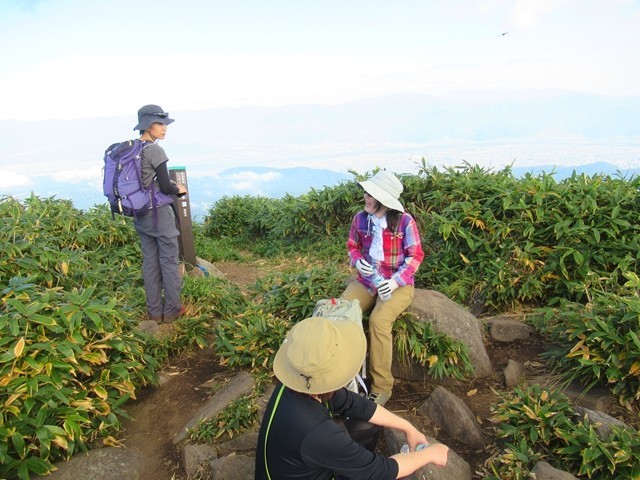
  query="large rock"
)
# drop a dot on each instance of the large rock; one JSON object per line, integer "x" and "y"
{"x": 446, "y": 316}
{"x": 456, "y": 469}
{"x": 108, "y": 463}
{"x": 453, "y": 416}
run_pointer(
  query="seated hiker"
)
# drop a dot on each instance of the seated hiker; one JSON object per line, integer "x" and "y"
{"x": 299, "y": 437}
{"x": 384, "y": 246}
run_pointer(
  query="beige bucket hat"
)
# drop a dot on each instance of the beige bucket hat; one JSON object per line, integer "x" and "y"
{"x": 320, "y": 355}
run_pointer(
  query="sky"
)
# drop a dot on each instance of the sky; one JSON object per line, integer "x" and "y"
{"x": 67, "y": 59}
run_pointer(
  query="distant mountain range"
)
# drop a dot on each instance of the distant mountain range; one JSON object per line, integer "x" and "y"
{"x": 221, "y": 138}
{"x": 273, "y": 151}
{"x": 560, "y": 172}
{"x": 275, "y": 183}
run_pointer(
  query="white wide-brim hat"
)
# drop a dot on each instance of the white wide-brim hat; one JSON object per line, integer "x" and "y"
{"x": 385, "y": 188}
{"x": 320, "y": 355}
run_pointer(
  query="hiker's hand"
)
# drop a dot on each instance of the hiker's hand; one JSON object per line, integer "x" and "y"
{"x": 388, "y": 286}
{"x": 364, "y": 267}
{"x": 182, "y": 190}
{"x": 438, "y": 454}
{"x": 415, "y": 438}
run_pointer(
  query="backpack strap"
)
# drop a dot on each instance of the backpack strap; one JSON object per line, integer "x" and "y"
{"x": 151, "y": 189}
{"x": 266, "y": 435}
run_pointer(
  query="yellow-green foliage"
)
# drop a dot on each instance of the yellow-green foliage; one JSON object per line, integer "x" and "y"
{"x": 70, "y": 287}
{"x": 596, "y": 343}
{"x": 69, "y": 355}
{"x": 501, "y": 241}
{"x": 438, "y": 353}
{"x": 488, "y": 237}
{"x": 240, "y": 414}
{"x": 538, "y": 424}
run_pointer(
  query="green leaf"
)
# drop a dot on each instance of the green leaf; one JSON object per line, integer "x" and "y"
{"x": 38, "y": 466}
{"x": 19, "y": 445}
{"x": 43, "y": 320}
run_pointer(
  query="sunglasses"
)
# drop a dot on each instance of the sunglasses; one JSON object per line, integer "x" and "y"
{"x": 161, "y": 115}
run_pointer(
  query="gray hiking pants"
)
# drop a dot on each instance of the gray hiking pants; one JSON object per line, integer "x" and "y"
{"x": 160, "y": 267}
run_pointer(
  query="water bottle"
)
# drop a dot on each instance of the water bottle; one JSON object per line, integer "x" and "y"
{"x": 377, "y": 279}
{"x": 405, "y": 447}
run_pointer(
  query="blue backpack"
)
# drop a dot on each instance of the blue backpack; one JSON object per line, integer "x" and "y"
{"x": 122, "y": 184}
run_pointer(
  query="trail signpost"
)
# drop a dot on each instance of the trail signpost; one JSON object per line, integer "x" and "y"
{"x": 185, "y": 240}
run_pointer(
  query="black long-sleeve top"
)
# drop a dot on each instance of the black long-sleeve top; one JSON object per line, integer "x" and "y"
{"x": 304, "y": 441}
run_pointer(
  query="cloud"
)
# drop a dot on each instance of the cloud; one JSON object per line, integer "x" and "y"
{"x": 527, "y": 13}
{"x": 77, "y": 175}
{"x": 251, "y": 182}
{"x": 12, "y": 180}
{"x": 249, "y": 176}
{"x": 244, "y": 186}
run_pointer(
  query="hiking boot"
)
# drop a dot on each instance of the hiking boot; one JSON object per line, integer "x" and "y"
{"x": 175, "y": 316}
{"x": 157, "y": 319}
{"x": 380, "y": 397}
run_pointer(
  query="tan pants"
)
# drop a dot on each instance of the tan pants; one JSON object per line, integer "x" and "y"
{"x": 380, "y": 324}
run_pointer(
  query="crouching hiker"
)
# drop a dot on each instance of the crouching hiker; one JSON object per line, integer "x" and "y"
{"x": 299, "y": 437}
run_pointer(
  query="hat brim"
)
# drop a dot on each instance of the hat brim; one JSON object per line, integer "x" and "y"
{"x": 149, "y": 120}
{"x": 352, "y": 355}
{"x": 381, "y": 195}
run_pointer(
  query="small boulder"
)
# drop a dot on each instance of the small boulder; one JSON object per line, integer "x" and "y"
{"x": 195, "y": 456}
{"x": 205, "y": 269}
{"x": 109, "y": 463}
{"x": 506, "y": 329}
{"x": 236, "y": 467}
{"x": 246, "y": 442}
{"x": 453, "y": 416}
{"x": 544, "y": 471}
{"x": 513, "y": 373}
{"x": 602, "y": 422}
{"x": 150, "y": 327}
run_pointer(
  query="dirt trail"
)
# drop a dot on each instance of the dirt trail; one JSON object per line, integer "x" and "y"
{"x": 160, "y": 412}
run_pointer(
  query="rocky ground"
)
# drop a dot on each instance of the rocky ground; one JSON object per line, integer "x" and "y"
{"x": 160, "y": 412}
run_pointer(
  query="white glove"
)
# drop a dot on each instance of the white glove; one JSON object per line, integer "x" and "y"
{"x": 364, "y": 267}
{"x": 388, "y": 286}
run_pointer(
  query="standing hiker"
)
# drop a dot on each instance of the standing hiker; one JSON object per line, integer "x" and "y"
{"x": 299, "y": 437}
{"x": 384, "y": 246}
{"x": 157, "y": 229}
